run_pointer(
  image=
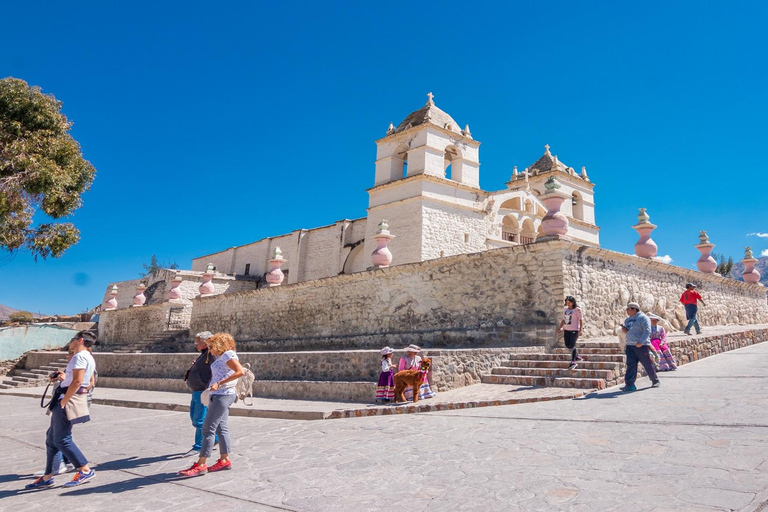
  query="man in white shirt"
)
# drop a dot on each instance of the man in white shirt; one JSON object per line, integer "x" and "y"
{"x": 77, "y": 377}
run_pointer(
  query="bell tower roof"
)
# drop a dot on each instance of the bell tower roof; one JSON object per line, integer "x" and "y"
{"x": 428, "y": 114}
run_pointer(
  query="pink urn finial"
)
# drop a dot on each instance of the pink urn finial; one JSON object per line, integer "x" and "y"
{"x": 139, "y": 299}
{"x": 275, "y": 276}
{"x": 750, "y": 275}
{"x": 706, "y": 263}
{"x": 111, "y": 303}
{"x": 554, "y": 222}
{"x": 645, "y": 246}
{"x": 381, "y": 257}
{"x": 206, "y": 288}
{"x": 175, "y": 292}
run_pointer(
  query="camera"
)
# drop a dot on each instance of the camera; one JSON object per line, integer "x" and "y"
{"x": 55, "y": 374}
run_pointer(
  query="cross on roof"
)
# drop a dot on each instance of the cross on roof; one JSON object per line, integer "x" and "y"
{"x": 430, "y": 96}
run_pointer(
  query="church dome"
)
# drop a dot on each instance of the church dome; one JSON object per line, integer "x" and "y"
{"x": 430, "y": 114}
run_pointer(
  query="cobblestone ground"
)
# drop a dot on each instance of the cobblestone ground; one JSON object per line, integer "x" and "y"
{"x": 700, "y": 442}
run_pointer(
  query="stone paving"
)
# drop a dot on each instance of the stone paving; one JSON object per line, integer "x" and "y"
{"x": 697, "y": 443}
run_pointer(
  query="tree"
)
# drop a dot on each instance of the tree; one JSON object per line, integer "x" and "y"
{"x": 723, "y": 267}
{"x": 24, "y": 317}
{"x": 154, "y": 267}
{"x": 41, "y": 167}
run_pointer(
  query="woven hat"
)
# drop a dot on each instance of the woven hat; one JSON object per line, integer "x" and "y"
{"x": 654, "y": 317}
{"x": 633, "y": 305}
{"x": 412, "y": 348}
{"x": 386, "y": 350}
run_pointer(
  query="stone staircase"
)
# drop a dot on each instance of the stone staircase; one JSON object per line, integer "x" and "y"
{"x": 603, "y": 366}
{"x": 28, "y": 378}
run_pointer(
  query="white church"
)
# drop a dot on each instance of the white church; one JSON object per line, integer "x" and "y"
{"x": 427, "y": 187}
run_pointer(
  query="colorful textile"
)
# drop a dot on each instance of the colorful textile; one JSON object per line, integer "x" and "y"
{"x": 385, "y": 389}
{"x": 655, "y": 358}
{"x": 406, "y": 363}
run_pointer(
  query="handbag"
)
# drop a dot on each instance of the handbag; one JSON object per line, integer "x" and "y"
{"x": 77, "y": 408}
{"x": 205, "y": 398}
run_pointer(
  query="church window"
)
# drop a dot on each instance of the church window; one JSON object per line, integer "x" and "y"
{"x": 451, "y": 154}
{"x": 577, "y": 204}
{"x": 466, "y": 238}
{"x": 247, "y": 269}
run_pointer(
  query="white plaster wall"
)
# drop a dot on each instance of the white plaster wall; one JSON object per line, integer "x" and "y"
{"x": 445, "y": 227}
{"x": 405, "y": 220}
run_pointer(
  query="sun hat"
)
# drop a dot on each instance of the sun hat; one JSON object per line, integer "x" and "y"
{"x": 203, "y": 335}
{"x": 386, "y": 350}
{"x": 412, "y": 348}
{"x": 654, "y": 317}
{"x": 633, "y": 305}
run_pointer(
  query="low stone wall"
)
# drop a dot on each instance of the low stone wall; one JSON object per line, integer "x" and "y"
{"x": 694, "y": 348}
{"x": 132, "y": 325}
{"x": 500, "y": 296}
{"x": 603, "y": 282}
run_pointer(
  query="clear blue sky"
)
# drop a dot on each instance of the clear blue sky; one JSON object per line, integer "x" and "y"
{"x": 212, "y": 125}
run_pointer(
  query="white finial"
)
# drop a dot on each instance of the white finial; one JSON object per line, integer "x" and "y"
{"x": 467, "y": 133}
{"x": 391, "y": 128}
{"x": 430, "y": 101}
{"x": 546, "y": 146}
{"x": 514, "y": 171}
{"x": 584, "y": 173}
{"x": 554, "y": 162}
{"x": 526, "y": 174}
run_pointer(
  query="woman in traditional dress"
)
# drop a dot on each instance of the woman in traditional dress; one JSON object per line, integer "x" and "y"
{"x": 385, "y": 390}
{"x": 412, "y": 361}
{"x": 659, "y": 342}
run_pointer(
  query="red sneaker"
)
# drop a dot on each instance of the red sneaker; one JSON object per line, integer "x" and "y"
{"x": 220, "y": 464}
{"x": 195, "y": 470}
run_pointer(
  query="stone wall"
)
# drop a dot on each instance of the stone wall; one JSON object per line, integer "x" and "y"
{"x": 450, "y": 302}
{"x": 133, "y": 325}
{"x": 604, "y": 281}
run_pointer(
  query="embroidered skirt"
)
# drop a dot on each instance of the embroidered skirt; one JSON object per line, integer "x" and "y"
{"x": 424, "y": 392}
{"x": 385, "y": 390}
{"x": 667, "y": 362}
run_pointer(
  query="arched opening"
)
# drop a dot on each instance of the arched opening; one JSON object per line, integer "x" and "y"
{"x": 356, "y": 261}
{"x": 512, "y": 204}
{"x": 451, "y": 154}
{"x": 401, "y": 153}
{"x": 529, "y": 206}
{"x": 577, "y": 204}
{"x": 510, "y": 229}
{"x": 528, "y": 233}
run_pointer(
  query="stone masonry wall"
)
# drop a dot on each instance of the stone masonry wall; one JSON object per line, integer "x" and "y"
{"x": 604, "y": 281}
{"x": 505, "y": 289}
{"x": 133, "y": 325}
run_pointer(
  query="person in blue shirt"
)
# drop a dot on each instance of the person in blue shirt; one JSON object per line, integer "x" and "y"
{"x": 637, "y": 327}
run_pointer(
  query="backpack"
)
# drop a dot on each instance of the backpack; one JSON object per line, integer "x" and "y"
{"x": 244, "y": 386}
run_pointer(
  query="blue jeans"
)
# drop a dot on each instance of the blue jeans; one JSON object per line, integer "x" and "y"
{"x": 197, "y": 412}
{"x": 641, "y": 355}
{"x": 59, "y": 439}
{"x": 690, "y": 314}
{"x": 217, "y": 423}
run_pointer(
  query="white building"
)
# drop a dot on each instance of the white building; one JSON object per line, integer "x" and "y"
{"x": 427, "y": 186}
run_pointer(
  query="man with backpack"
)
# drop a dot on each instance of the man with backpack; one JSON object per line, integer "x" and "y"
{"x": 198, "y": 377}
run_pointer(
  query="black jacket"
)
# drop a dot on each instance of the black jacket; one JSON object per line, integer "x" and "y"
{"x": 199, "y": 375}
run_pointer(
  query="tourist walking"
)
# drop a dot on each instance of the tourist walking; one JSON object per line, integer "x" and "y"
{"x": 385, "y": 389}
{"x": 690, "y": 300}
{"x": 412, "y": 361}
{"x": 659, "y": 342}
{"x": 69, "y": 406}
{"x": 225, "y": 371}
{"x": 571, "y": 326}
{"x": 637, "y": 327}
{"x": 198, "y": 377}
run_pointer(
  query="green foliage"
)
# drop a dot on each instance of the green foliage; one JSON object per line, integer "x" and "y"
{"x": 723, "y": 267}
{"x": 41, "y": 167}
{"x": 154, "y": 267}
{"x": 21, "y": 316}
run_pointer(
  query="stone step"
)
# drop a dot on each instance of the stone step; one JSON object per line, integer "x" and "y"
{"x": 3, "y": 385}
{"x": 563, "y": 382}
{"x": 590, "y": 351}
{"x": 25, "y": 380}
{"x": 563, "y": 363}
{"x": 48, "y": 368}
{"x": 556, "y": 372}
{"x": 40, "y": 372}
{"x": 596, "y": 344}
{"x": 28, "y": 374}
{"x": 15, "y": 383}
{"x": 618, "y": 358}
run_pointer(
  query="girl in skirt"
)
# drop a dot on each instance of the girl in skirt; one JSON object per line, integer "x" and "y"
{"x": 659, "y": 342}
{"x": 385, "y": 391}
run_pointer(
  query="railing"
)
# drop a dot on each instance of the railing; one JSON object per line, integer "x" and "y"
{"x": 509, "y": 236}
{"x": 526, "y": 240}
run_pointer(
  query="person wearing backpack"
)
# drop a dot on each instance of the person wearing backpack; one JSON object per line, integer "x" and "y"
{"x": 225, "y": 371}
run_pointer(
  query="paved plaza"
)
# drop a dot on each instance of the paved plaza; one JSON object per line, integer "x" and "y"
{"x": 700, "y": 442}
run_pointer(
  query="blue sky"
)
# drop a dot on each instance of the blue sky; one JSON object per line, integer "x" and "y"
{"x": 213, "y": 125}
